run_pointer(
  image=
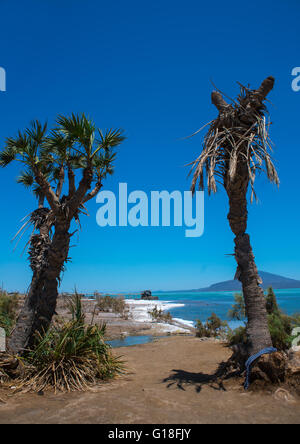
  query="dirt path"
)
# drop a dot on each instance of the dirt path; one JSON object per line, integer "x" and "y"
{"x": 166, "y": 385}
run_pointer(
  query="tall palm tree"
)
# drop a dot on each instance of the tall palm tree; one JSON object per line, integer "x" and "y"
{"x": 74, "y": 149}
{"x": 235, "y": 148}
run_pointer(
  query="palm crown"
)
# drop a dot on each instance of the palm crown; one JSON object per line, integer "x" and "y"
{"x": 74, "y": 144}
{"x": 238, "y": 136}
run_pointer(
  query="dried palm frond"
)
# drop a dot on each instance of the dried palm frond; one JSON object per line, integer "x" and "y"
{"x": 237, "y": 138}
{"x": 39, "y": 242}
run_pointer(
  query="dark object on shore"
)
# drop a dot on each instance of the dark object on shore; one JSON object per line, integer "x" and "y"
{"x": 147, "y": 296}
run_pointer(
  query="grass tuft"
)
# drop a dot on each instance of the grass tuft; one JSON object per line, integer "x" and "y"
{"x": 111, "y": 304}
{"x": 158, "y": 315}
{"x": 71, "y": 356}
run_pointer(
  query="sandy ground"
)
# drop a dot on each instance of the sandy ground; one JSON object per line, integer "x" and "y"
{"x": 167, "y": 383}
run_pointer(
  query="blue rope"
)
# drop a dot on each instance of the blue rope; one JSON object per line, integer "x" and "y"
{"x": 250, "y": 361}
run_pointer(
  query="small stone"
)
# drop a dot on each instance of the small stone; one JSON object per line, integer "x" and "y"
{"x": 283, "y": 395}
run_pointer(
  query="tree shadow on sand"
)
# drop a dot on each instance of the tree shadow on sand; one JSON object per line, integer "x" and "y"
{"x": 181, "y": 378}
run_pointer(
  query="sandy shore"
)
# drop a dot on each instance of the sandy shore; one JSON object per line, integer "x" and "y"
{"x": 168, "y": 382}
{"x": 139, "y": 312}
{"x": 137, "y": 321}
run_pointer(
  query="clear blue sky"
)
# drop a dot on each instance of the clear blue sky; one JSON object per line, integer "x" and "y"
{"x": 146, "y": 66}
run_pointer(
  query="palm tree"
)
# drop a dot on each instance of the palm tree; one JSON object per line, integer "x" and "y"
{"x": 235, "y": 148}
{"x": 74, "y": 149}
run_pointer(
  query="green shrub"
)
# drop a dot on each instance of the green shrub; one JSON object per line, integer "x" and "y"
{"x": 201, "y": 331}
{"x": 280, "y": 330}
{"x": 238, "y": 310}
{"x": 271, "y": 302}
{"x": 160, "y": 316}
{"x": 214, "y": 323}
{"x": 70, "y": 356}
{"x": 280, "y": 324}
{"x": 212, "y": 328}
{"x": 237, "y": 336}
{"x": 111, "y": 304}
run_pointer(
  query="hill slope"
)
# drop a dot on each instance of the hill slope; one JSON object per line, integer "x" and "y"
{"x": 269, "y": 280}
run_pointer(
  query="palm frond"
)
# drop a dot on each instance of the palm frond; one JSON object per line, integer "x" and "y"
{"x": 230, "y": 143}
{"x": 26, "y": 178}
{"x": 77, "y": 128}
{"x": 7, "y": 156}
{"x": 110, "y": 138}
{"x": 37, "y": 132}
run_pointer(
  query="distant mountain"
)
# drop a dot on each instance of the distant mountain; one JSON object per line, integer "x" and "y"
{"x": 269, "y": 280}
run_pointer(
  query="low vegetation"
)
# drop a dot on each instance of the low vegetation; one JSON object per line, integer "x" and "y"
{"x": 158, "y": 315}
{"x": 237, "y": 336}
{"x": 238, "y": 310}
{"x": 70, "y": 356}
{"x": 280, "y": 324}
{"x": 212, "y": 328}
{"x": 8, "y": 310}
{"x": 111, "y": 304}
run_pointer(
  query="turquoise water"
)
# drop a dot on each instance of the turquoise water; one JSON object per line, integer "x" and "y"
{"x": 130, "y": 340}
{"x": 200, "y": 305}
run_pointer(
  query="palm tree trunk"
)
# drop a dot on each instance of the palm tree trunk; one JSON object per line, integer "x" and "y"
{"x": 19, "y": 338}
{"x": 40, "y": 302}
{"x": 257, "y": 326}
{"x": 47, "y": 299}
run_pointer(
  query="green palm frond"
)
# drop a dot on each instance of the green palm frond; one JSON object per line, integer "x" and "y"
{"x": 70, "y": 146}
{"x": 77, "y": 128}
{"x": 110, "y": 138}
{"x": 37, "y": 132}
{"x": 109, "y": 171}
{"x": 23, "y": 145}
{"x": 7, "y": 156}
{"x": 56, "y": 144}
{"x": 26, "y": 178}
{"x": 77, "y": 161}
{"x": 19, "y": 143}
{"x": 103, "y": 163}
